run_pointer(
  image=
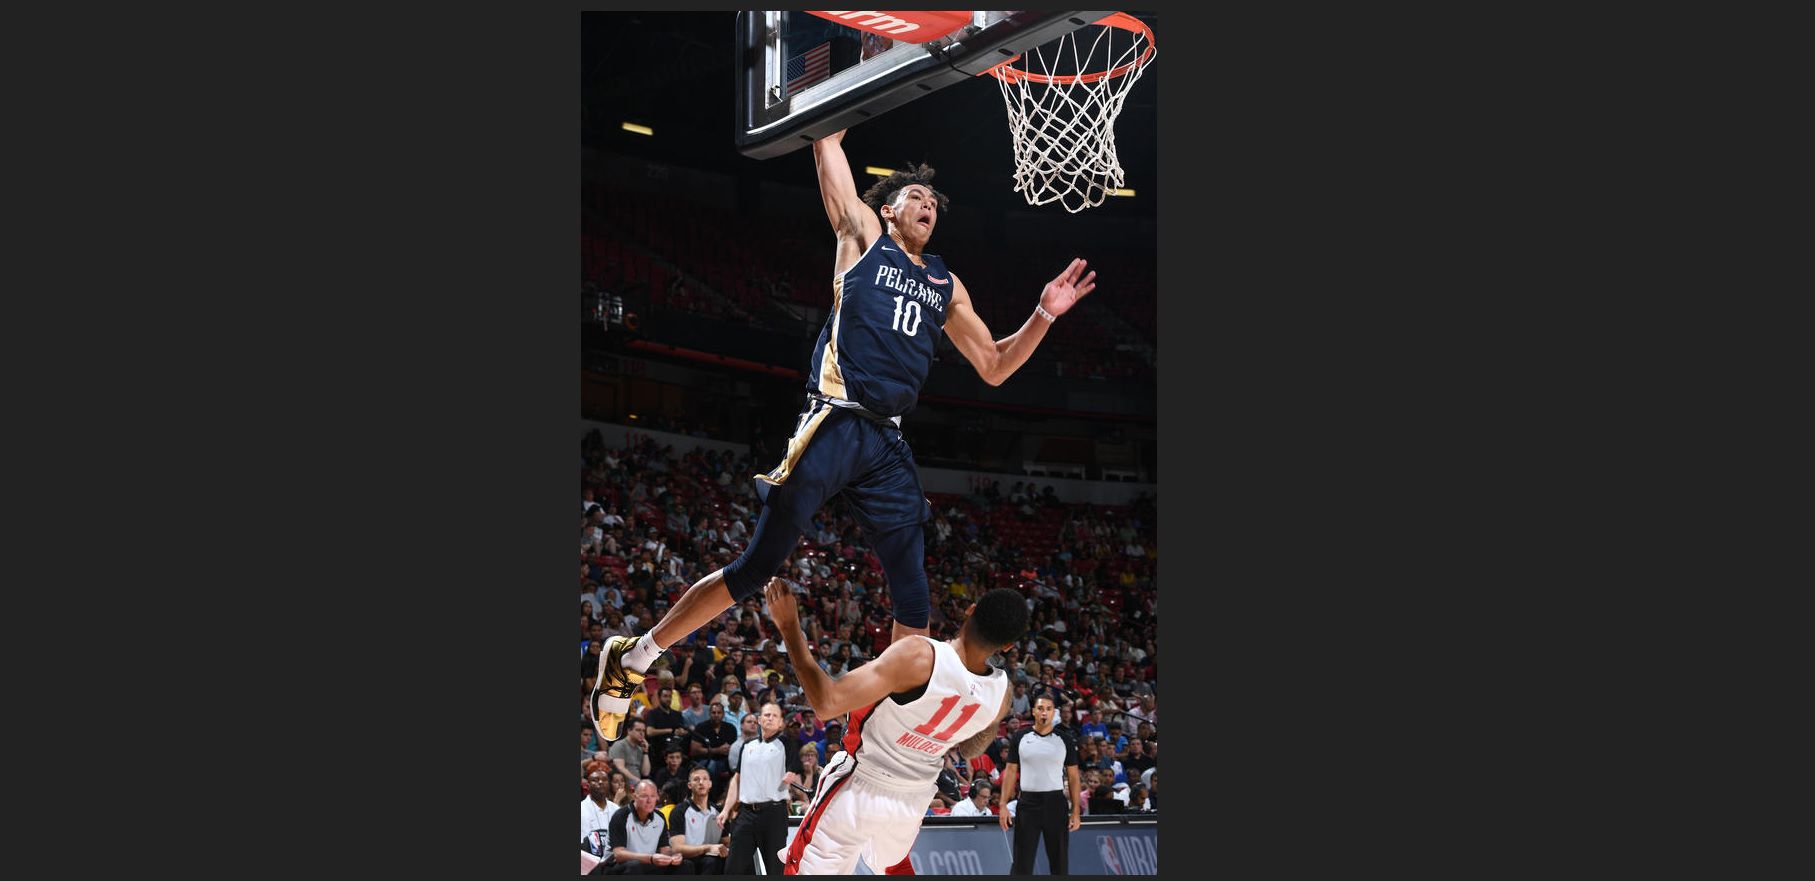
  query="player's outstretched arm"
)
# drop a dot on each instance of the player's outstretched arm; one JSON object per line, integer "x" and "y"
{"x": 849, "y": 215}
{"x": 901, "y": 667}
{"x": 997, "y": 360}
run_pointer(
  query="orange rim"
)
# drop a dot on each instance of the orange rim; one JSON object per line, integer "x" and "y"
{"x": 1115, "y": 20}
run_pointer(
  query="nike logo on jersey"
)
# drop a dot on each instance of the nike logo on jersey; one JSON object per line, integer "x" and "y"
{"x": 937, "y": 280}
{"x": 887, "y": 248}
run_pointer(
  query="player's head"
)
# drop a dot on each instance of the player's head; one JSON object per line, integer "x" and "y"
{"x": 998, "y": 619}
{"x": 909, "y": 205}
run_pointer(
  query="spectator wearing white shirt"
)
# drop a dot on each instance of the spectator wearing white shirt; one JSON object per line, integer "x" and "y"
{"x": 977, "y": 805}
{"x": 596, "y": 811}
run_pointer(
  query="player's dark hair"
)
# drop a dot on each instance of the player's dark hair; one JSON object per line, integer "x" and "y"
{"x": 1001, "y": 618}
{"x": 883, "y": 191}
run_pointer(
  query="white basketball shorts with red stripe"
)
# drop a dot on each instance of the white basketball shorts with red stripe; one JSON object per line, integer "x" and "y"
{"x": 852, "y": 817}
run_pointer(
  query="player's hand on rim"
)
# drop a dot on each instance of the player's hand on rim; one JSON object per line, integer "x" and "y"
{"x": 1068, "y": 288}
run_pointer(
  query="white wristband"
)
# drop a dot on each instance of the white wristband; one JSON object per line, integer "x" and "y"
{"x": 1041, "y": 311}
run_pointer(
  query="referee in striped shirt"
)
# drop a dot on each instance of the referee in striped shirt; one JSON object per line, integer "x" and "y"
{"x": 1043, "y": 764}
{"x": 758, "y": 795}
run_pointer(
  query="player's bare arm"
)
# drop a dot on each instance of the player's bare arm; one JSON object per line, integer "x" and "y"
{"x": 997, "y": 360}
{"x": 902, "y": 666}
{"x": 974, "y": 746}
{"x": 853, "y": 221}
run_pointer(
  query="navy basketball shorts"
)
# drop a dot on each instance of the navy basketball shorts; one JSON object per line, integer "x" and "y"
{"x": 838, "y": 452}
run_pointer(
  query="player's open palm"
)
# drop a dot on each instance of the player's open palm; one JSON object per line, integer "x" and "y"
{"x": 1068, "y": 288}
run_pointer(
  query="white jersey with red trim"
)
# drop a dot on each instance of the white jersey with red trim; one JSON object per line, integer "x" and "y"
{"x": 902, "y": 746}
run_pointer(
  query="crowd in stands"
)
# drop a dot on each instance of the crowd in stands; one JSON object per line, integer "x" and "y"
{"x": 703, "y": 261}
{"x": 653, "y": 521}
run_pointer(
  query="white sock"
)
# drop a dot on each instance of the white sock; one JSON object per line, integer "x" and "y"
{"x": 642, "y": 654}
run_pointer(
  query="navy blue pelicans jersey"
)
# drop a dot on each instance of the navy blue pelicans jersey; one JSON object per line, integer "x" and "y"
{"x": 878, "y": 342}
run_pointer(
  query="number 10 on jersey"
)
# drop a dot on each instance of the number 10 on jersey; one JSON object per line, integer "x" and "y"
{"x": 907, "y": 317}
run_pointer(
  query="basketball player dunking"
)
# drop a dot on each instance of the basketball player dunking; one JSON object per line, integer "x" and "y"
{"x": 917, "y": 701}
{"x": 889, "y": 299}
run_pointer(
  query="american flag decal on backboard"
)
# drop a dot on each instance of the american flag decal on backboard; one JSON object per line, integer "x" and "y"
{"x": 809, "y": 67}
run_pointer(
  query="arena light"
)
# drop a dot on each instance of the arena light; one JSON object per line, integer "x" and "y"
{"x": 1121, "y": 192}
{"x": 639, "y": 129}
{"x": 879, "y": 172}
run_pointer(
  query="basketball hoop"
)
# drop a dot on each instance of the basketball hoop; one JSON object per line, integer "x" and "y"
{"x": 1062, "y": 105}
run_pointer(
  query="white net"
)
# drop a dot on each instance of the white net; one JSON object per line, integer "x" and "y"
{"x": 1063, "y": 99}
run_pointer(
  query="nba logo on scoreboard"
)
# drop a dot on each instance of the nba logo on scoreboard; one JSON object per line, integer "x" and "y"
{"x": 1111, "y": 863}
